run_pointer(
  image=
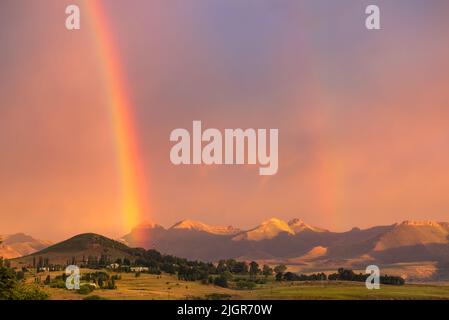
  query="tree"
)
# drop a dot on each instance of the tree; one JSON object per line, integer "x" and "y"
{"x": 240, "y": 267}
{"x": 8, "y": 281}
{"x": 290, "y": 276}
{"x": 253, "y": 269}
{"x": 20, "y": 275}
{"x": 111, "y": 284}
{"x": 280, "y": 268}
{"x": 221, "y": 267}
{"x": 279, "y": 276}
{"x": 11, "y": 289}
{"x": 245, "y": 284}
{"x": 267, "y": 270}
{"x": 221, "y": 281}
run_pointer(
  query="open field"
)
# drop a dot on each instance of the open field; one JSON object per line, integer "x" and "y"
{"x": 149, "y": 286}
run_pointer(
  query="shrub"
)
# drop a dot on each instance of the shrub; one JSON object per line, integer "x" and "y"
{"x": 29, "y": 292}
{"x": 245, "y": 284}
{"x": 111, "y": 284}
{"x": 86, "y": 289}
{"x": 221, "y": 281}
{"x": 20, "y": 275}
{"x": 58, "y": 283}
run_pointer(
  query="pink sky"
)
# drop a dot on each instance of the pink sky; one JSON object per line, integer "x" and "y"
{"x": 362, "y": 116}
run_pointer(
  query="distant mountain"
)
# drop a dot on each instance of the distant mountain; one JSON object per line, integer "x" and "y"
{"x": 414, "y": 241}
{"x": 187, "y": 238}
{"x": 295, "y": 241}
{"x": 412, "y": 233}
{"x": 80, "y": 248}
{"x": 266, "y": 230}
{"x": 271, "y": 228}
{"x": 200, "y": 226}
{"x": 19, "y": 244}
{"x": 297, "y": 226}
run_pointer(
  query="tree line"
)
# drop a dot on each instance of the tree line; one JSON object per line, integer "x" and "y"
{"x": 341, "y": 275}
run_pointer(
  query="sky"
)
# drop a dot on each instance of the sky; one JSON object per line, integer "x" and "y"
{"x": 362, "y": 115}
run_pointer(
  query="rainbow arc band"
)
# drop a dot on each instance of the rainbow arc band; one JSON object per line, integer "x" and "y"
{"x": 122, "y": 119}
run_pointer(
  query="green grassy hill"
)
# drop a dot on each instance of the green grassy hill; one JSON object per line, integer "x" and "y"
{"x": 80, "y": 248}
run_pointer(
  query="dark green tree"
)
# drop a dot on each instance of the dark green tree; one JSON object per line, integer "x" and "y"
{"x": 253, "y": 269}
{"x": 280, "y": 268}
{"x": 8, "y": 281}
{"x": 221, "y": 281}
{"x": 267, "y": 270}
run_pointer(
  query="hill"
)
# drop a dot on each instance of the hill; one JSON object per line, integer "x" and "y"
{"x": 19, "y": 244}
{"x": 81, "y": 248}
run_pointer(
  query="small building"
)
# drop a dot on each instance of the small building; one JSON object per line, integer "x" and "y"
{"x": 114, "y": 266}
{"x": 139, "y": 269}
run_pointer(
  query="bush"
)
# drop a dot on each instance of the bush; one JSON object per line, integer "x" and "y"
{"x": 86, "y": 289}
{"x": 20, "y": 275}
{"x": 245, "y": 284}
{"x": 29, "y": 292}
{"x": 279, "y": 276}
{"x": 58, "y": 283}
{"x": 8, "y": 281}
{"x": 221, "y": 281}
{"x": 111, "y": 284}
{"x": 11, "y": 289}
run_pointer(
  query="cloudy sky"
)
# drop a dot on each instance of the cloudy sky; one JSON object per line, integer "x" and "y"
{"x": 362, "y": 115}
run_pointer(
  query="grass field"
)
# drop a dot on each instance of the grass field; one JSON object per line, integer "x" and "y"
{"x": 169, "y": 287}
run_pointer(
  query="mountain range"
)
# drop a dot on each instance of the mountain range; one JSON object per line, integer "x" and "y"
{"x": 297, "y": 242}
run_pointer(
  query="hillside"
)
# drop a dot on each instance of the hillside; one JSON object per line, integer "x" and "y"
{"x": 80, "y": 248}
{"x": 411, "y": 233}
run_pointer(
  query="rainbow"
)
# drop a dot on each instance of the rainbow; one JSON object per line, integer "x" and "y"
{"x": 122, "y": 119}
